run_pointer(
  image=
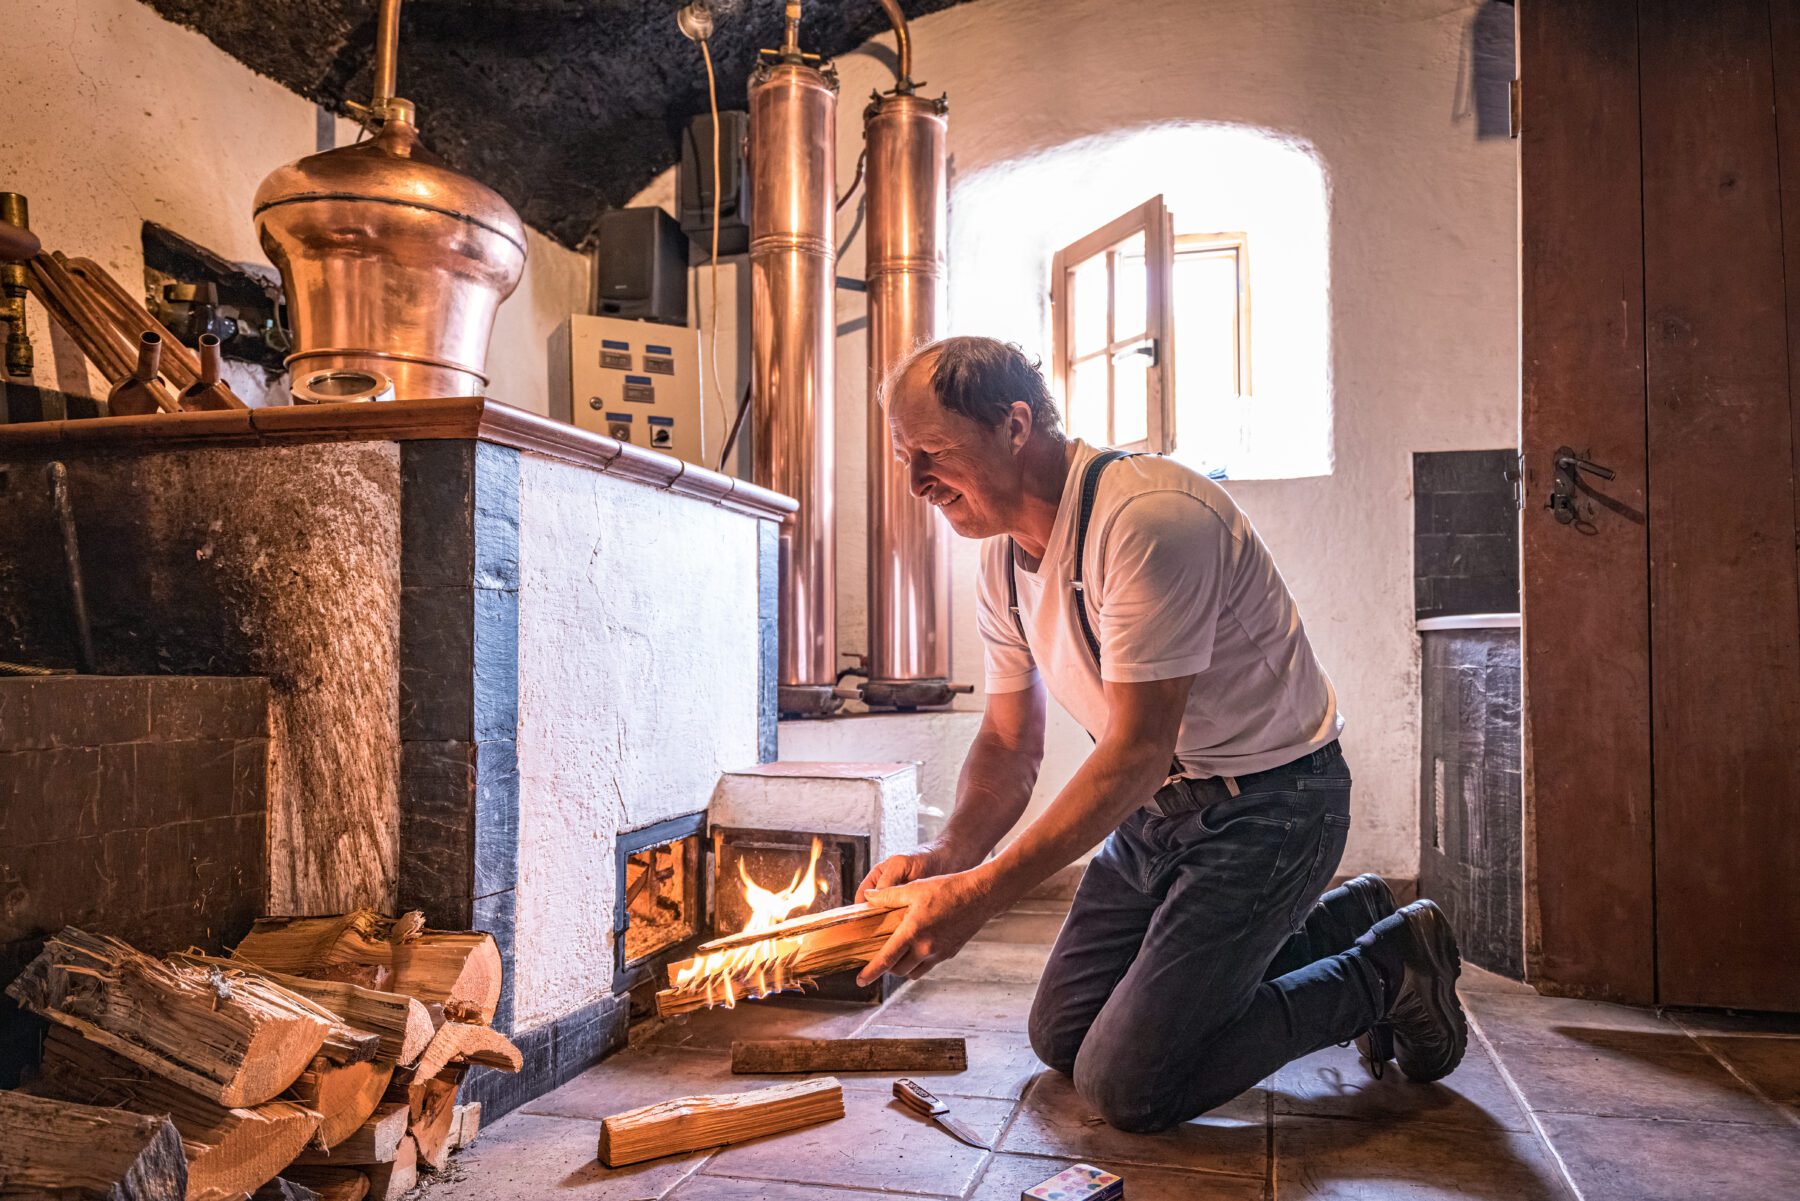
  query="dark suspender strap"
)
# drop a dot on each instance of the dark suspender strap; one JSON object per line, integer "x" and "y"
{"x": 1090, "y": 487}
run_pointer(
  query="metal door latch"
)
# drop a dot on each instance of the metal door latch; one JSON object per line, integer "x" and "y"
{"x": 1566, "y": 483}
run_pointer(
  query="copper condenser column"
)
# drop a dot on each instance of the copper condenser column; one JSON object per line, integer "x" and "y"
{"x": 909, "y": 544}
{"x": 793, "y": 261}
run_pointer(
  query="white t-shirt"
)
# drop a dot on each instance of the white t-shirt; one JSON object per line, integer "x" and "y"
{"x": 1178, "y": 584}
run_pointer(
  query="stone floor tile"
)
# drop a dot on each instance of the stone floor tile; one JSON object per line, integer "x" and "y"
{"x": 878, "y": 1144}
{"x": 1475, "y": 979}
{"x": 1055, "y": 1121}
{"x": 1009, "y": 1175}
{"x": 522, "y": 1157}
{"x": 961, "y": 1005}
{"x": 1612, "y": 1159}
{"x": 1772, "y": 1065}
{"x": 721, "y": 1188}
{"x": 1321, "y": 1158}
{"x": 1627, "y": 1074}
{"x": 1001, "y": 1063}
{"x": 1335, "y": 1083}
{"x": 1714, "y": 1021}
{"x": 1023, "y": 926}
{"x": 1517, "y": 1018}
{"x": 776, "y": 1017}
{"x": 642, "y": 1076}
{"x": 1002, "y": 962}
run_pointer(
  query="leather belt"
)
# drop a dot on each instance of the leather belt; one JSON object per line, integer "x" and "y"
{"x": 1188, "y": 794}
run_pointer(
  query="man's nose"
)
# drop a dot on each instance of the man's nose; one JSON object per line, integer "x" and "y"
{"x": 916, "y": 480}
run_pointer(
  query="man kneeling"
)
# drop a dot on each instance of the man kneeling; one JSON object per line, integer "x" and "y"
{"x": 1198, "y": 955}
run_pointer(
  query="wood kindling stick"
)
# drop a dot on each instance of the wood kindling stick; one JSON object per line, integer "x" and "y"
{"x": 771, "y": 1056}
{"x": 787, "y": 955}
{"x": 691, "y": 1123}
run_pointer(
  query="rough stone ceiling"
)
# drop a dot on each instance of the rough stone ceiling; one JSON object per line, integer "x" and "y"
{"x": 565, "y": 106}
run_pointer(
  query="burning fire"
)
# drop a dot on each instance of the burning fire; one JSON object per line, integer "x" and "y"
{"x": 762, "y": 964}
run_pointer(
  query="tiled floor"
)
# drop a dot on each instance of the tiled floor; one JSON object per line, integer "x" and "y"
{"x": 1556, "y": 1099}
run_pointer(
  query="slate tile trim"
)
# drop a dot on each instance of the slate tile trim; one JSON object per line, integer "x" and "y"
{"x": 1465, "y": 533}
{"x": 459, "y": 689}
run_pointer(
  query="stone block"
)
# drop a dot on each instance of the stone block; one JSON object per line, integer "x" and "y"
{"x": 879, "y": 801}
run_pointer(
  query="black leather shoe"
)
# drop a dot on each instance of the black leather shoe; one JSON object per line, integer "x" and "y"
{"x": 1429, "y": 1029}
{"x": 1376, "y": 901}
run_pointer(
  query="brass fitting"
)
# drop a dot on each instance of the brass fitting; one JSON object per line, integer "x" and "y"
{"x": 19, "y": 358}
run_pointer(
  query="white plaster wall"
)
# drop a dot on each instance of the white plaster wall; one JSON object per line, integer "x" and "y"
{"x": 1422, "y": 297}
{"x": 637, "y": 659}
{"x": 877, "y": 801}
{"x": 114, "y": 116}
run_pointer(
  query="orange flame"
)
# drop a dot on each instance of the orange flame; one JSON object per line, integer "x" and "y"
{"x": 761, "y": 965}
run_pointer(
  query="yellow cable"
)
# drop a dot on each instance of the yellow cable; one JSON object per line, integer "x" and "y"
{"x": 712, "y": 334}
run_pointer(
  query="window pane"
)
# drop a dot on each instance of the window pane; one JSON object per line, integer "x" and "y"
{"x": 1087, "y": 287}
{"x": 1131, "y": 289}
{"x": 1206, "y": 353}
{"x": 1087, "y": 401}
{"x": 1131, "y": 399}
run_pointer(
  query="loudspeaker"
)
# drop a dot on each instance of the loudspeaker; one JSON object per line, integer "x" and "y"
{"x": 640, "y": 266}
{"x": 695, "y": 183}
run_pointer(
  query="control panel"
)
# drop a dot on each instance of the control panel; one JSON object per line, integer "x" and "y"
{"x": 637, "y": 381}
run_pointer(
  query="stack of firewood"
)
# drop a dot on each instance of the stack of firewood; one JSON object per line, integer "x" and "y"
{"x": 321, "y": 1059}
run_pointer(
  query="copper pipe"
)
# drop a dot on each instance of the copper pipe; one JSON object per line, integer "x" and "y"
{"x": 180, "y": 365}
{"x": 903, "y": 81}
{"x": 76, "y": 315}
{"x": 387, "y": 56}
{"x": 209, "y": 391}
{"x": 793, "y": 262}
{"x": 909, "y": 543}
{"x": 135, "y": 395}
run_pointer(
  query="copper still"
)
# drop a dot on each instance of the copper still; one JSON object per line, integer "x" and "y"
{"x": 793, "y": 262}
{"x": 909, "y": 541}
{"x": 393, "y": 261}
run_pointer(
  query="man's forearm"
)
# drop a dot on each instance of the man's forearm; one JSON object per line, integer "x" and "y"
{"x": 1114, "y": 781}
{"x": 991, "y": 795}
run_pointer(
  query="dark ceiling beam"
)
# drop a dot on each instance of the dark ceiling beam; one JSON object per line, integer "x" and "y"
{"x": 566, "y": 107}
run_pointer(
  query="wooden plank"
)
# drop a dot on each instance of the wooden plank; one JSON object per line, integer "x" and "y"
{"x": 1585, "y": 598}
{"x": 1725, "y": 614}
{"x": 850, "y": 1055}
{"x": 375, "y": 1141}
{"x": 691, "y": 1123}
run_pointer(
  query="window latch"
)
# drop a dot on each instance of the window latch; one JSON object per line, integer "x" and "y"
{"x": 1147, "y": 348}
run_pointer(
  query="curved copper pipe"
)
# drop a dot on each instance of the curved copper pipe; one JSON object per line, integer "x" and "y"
{"x": 902, "y": 39}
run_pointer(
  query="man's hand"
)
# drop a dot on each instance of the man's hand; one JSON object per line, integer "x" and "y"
{"x": 942, "y": 913}
{"x": 934, "y": 860}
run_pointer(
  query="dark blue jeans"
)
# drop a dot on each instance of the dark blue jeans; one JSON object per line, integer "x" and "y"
{"x": 1188, "y": 969}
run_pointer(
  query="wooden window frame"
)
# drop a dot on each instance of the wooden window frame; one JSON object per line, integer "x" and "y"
{"x": 1153, "y": 221}
{"x": 1239, "y": 243}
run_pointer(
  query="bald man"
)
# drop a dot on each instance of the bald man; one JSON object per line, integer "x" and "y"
{"x": 1199, "y": 954}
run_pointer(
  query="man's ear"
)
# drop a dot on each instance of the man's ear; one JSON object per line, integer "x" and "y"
{"x": 1020, "y": 424}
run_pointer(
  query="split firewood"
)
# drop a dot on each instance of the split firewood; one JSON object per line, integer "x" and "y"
{"x": 457, "y": 969}
{"x": 282, "y": 1189}
{"x": 850, "y": 1055}
{"x": 788, "y": 955}
{"x": 394, "y": 1179}
{"x": 330, "y": 1184}
{"x": 466, "y": 1126}
{"x": 403, "y": 1023}
{"x": 343, "y": 1095}
{"x": 459, "y": 1042}
{"x": 375, "y": 1141}
{"x": 51, "y": 1148}
{"x": 229, "y": 1151}
{"x": 691, "y": 1123}
{"x": 235, "y": 1040}
{"x": 431, "y": 1102}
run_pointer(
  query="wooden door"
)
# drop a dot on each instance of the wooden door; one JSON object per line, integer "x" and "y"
{"x": 1661, "y": 324}
{"x": 1584, "y": 593}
